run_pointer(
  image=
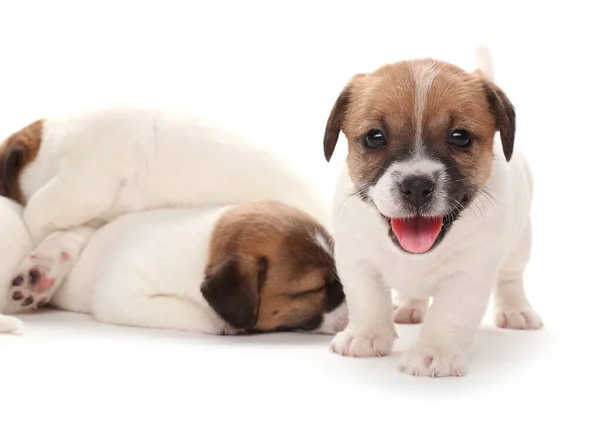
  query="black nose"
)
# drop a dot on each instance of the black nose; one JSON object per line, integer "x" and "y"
{"x": 417, "y": 190}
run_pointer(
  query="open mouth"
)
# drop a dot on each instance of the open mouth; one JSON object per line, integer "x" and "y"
{"x": 417, "y": 234}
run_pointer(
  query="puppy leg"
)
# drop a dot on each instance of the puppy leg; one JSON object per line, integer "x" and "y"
{"x": 450, "y": 325}
{"x": 69, "y": 200}
{"x": 158, "y": 312}
{"x": 410, "y": 311}
{"x": 511, "y": 307}
{"x": 370, "y": 331}
{"x": 42, "y": 272}
{"x": 10, "y": 324}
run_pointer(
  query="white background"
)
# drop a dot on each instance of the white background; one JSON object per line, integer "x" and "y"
{"x": 275, "y": 69}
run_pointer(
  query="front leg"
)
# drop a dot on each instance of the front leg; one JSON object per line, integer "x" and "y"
{"x": 43, "y": 270}
{"x": 450, "y": 326}
{"x": 370, "y": 331}
{"x": 70, "y": 199}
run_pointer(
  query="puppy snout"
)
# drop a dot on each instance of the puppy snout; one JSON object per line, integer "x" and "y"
{"x": 417, "y": 190}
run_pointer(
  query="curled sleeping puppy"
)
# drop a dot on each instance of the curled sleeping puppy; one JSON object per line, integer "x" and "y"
{"x": 15, "y": 244}
{"x": 253, "y": 267}
{"x": 75, "y": 173}
{"x": 434, "y": 202}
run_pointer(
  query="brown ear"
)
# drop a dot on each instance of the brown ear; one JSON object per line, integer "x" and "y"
{"x": 504, "y": 113}
{"x": 232, "y": 289}
{"x": 11, "y": 164}
{"x": 335, "y": 121}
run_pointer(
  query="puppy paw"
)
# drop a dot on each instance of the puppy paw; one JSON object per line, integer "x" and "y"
{"x": 410, "y": 312}
{"x": 433, "y": 362}
{"x": 524, "y": 319}
{"x": 36, "y": 279}
{"x": 10, "y": 324}
{"x": 371, "y": 343}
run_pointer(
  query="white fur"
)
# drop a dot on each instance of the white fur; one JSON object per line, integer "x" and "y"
{"x": 15, "y": 243}
{"x": 423, "y": 76}
{"x": 145, "y": 269}
{"x": 486, "y": 250}
{"x": 107, "y": 162}
{"x": 321, "y": 240}
{"x": 483, "y": 60}
{"x": 96, "y": 165}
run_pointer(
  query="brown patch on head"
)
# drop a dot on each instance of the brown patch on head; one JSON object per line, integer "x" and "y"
{"x": 16, "y": 152}
{"x": 270, "y": 268}
{"x": 416, "y": 105}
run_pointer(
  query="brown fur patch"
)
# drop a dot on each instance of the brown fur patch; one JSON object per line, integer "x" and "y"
{"x": 276, "y": 276}
{"x": 387, "y": 100}
{"x": 16, "y": 152}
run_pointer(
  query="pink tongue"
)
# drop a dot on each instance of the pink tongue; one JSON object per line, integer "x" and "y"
{"x": 418, "y": 234}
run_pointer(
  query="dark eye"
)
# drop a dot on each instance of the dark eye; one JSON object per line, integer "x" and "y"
{"x": 460, "y": 138}
{"x": 374, "y": 139}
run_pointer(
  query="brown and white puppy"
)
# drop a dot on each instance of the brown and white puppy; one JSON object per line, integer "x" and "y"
{"x": 77, "y": 172}
{"x": 256, "y": 267}
{"x": 431, "y": 204}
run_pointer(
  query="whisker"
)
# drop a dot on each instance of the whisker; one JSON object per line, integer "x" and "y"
{"x": 490, "y": 198}
{"x": 476, "y": 205}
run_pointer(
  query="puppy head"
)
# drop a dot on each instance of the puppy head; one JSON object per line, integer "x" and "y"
{"x": 420, "y": 136}
{"x": 271, "y": 269}
{"x": 16, "y": 152}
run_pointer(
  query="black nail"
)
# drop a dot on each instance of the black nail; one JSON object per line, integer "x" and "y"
{"x": 17, "y": 296}
{"x": 34, "y": 276}
{"x": 17, "y": 281}
{"x": 27, "y": 302}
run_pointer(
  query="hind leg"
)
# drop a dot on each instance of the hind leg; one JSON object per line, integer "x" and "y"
{"x": 160, "y": 311}
{"x": 44, "y": 269}
{"x": 512, "y": 309}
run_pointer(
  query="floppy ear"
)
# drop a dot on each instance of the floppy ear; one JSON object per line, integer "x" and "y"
{"x": 11, "y": 163}
{"x": 335, "y": 121}
{"x": 232, "y": 289}
{"x": 504, "y": 113}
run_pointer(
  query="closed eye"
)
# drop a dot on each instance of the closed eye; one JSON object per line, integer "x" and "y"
{"x": 306, "y": 292}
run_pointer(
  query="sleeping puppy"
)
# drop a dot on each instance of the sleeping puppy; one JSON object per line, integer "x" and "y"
{"x": 75, "y": 173}
{"x": 15, "y": 244}
{"x": 254, "y": 267}
{"x": 430, "y": 204}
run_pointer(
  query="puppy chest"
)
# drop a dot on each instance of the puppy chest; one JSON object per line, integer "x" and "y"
{"x": 412, "y": 278}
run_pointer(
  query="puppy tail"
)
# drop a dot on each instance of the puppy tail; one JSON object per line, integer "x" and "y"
{"x": 11, "y": 324}
{"x": 483, "y": 60}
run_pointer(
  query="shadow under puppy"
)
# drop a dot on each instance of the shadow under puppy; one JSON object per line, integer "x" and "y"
{"x": 255, "y": 267}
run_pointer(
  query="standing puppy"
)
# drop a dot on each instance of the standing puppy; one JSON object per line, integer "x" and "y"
{"x": 431, "y": 204}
